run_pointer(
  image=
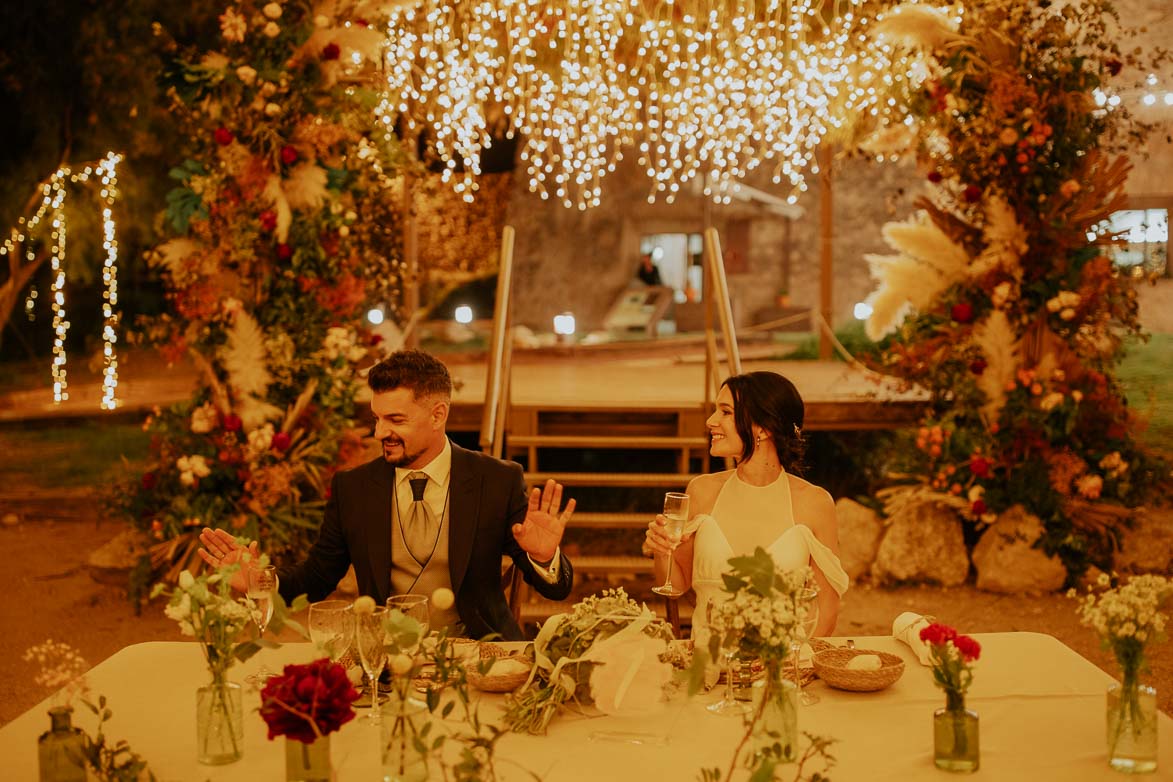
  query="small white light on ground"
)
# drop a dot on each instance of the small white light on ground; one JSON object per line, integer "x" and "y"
{"x": 375, "y": 316}
{"x": 564, "y": 324}
{"x": 862, "y": 310}
{"x": 463, "y": 314}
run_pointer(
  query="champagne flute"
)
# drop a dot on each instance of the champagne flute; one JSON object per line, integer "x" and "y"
{"x": 728, "y": 703}
{"x": 262, "y": 583}
{"x": 676, "y": 512}
{"x": 332, "y": 627}
{"x": 806, "y": 605}
{"x": 415, "y": 607}
{"x": 370, "y": 639}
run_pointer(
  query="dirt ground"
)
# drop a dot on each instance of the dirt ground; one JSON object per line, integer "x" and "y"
{"x": 49, "y": 593}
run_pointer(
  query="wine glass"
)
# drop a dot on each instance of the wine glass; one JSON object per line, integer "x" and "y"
{"x": 728, "y": 703}
{"x": 676, "y": 512}
{"x": 332, "y": 627}
{"x": 415, "y": 606}
{"x": 806, "y": 605}
{"x": 262, "y": 583}
{"x": 370, "y": 639}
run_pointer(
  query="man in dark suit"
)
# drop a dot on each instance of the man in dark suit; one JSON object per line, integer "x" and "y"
{"x": 427, "y": 514}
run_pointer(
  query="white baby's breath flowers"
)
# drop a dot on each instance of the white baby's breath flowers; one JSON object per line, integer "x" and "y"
{"x": 1128, "y": 617}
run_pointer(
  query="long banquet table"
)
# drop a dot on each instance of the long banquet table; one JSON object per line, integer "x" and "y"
{"x": 1041, "y": 705}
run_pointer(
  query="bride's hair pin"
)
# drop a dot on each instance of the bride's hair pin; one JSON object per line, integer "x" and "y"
{"x": 797, "y": 431}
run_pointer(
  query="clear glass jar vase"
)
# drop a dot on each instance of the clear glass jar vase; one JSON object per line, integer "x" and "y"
{"x": 775, "y": 706}
{"x": 400, "y": 726}
{"x": 219, "y": 724}
{"x": 308, "y": 762}
{"x": 956, "y": 745}
{"x": 1132, "y": 727}
{"x": 60, "y": 750}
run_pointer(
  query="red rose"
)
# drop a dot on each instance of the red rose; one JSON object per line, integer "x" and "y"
{"x": 231, "y": 423}
{"x": 284, "y": 251}
{"x": 935, "y": 177}
{"x": 149, "y": 480}
{"x": 978, "y": 508}
{"x": 979, "y": 466}
{"x": 281, "y": 442}
{"x": 1114, "y": 66}
{"x": 374, "y": 339}
{"x": 977, "y": 366}
{"x": 971, "y": 194}
{"x": 962, "y": 312}
{"x": 331, "y": 51}
{"x": 320, "y": 690}
{"x": 268, "y": 220}
{"x": 970, "y": 649}
{"x": 224, "y": 136}
{"x": 289, "y": 155}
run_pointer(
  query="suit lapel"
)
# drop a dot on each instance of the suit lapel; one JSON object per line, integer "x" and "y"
{"x": 378, "y": 508}
{"x": 465, "y": 485}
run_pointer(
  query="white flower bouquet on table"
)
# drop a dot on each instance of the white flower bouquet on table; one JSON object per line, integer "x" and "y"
{"x": 605, "y": 652}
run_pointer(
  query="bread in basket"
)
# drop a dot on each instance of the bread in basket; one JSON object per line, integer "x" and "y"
{"x": 509, "y": 670}
{"x": 831, "y": 665}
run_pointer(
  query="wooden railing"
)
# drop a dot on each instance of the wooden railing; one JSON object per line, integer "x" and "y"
{"x": 500, "y": 355}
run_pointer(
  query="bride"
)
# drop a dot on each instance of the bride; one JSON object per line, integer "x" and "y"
{"x": 758, "y": 423}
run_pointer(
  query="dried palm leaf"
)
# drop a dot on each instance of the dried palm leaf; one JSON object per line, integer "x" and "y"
{"x": 998, "y": 343}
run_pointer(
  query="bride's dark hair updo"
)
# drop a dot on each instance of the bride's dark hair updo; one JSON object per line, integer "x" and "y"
{"x": 773, "y": 403}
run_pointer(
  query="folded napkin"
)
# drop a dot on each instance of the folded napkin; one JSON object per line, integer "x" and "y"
{"x": 907, "y": 629}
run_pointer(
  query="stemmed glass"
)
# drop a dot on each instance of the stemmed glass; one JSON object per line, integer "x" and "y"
{"x": 676, "y": 512}
{"x": 806, "y": 605}
{"x": 370, "y": 639}
{"x": 262, "y": 583}
{"x": 332, "y": 627}
{"x": 416, "y": 607}
{"x": 728, "y": 703}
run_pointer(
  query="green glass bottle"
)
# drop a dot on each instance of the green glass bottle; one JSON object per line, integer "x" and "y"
{"x": 60, "y": 750}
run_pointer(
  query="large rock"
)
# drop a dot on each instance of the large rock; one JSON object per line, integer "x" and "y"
{"x": 1148, "y": 546}
{"x": 111, "y": 563}
{"x": 923, "y": 543}
{"x": 860, "y": 530}
{"x": 1007, "y": 560}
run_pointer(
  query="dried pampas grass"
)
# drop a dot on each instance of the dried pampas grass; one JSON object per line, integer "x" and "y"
{"x": 275, "y": 195}
{"x": 996, "y": 339}
{"x": 918, "y": 27}
{"x": 1006, "y": 241}
{"x": 243, "y": 357}
{"x": 305, "y": 187}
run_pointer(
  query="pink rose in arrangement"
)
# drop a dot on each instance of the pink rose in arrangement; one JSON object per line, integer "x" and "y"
{"x": 308, "y": 701}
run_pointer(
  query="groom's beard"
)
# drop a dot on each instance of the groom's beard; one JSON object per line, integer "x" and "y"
{"x": 403, "y": 460}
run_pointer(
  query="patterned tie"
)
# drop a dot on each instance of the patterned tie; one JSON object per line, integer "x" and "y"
{"x": 419, "y": 531}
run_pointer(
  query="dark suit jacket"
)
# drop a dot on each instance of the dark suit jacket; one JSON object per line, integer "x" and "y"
{"x": 487, "y": 498}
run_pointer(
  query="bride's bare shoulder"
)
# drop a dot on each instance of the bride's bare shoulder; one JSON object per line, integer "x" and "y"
{"x": 704, "y": 489}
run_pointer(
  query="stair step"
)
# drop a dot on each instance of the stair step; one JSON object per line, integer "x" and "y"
{"x": 605, "y": 441}
{"x": 611, "y": 520}
{"x": 611, "y": 564}
{"x": 625, "y": 479}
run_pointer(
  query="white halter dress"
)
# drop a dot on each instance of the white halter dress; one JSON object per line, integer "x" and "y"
{"x": 743, "y": 507}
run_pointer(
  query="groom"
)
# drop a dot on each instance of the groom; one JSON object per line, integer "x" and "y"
{"x": 427, "y": 514}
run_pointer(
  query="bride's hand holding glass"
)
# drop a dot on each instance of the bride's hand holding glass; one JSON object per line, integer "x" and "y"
{"x": 666, "y": 533}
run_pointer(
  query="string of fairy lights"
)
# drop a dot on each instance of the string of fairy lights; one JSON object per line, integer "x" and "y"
{"x": 697, "y": 88}
{"x": 51, "y": 213}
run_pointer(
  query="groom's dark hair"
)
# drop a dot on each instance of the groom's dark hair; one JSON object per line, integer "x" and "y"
{"x": 773, "y": 403}
{"x": 422, "y": 372}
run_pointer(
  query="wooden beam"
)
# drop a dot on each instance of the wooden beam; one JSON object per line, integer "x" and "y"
{"x": 826, "y": 248}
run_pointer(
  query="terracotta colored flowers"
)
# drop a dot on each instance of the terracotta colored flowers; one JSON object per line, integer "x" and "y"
{"x": 308, "y": 701}
{"x": 952, "y": 655}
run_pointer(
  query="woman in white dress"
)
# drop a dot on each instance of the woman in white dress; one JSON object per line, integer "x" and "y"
{"x": 758, "y": 423}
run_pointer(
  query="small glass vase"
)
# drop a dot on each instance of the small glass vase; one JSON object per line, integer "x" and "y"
{"x": 1132, "y": 727}
{"x": 60, "y": 749}
{"x": 956, "y": 744}
{"x": 219, "y": 724}
{"x": 308, "y": 762}
{"x": 775, "y": 705}
{"x": 402, "y": 759}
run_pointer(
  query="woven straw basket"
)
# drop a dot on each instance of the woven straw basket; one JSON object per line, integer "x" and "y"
{"x": 494, "y": 682}
{"x": 831, "y": 666}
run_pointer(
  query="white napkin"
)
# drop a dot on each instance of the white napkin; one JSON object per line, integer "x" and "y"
{"x": 907, "y": 629}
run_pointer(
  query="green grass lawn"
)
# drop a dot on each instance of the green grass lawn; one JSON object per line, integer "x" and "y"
{"x": 70, "y": 454}
{"x": 1147, "y": 376}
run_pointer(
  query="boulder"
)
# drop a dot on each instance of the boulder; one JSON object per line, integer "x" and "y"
{"x": 924, "y": 543}
{"x": 111, "y": 563}
{"x": 1007, "y": 560}
{"x": 860, "y": 530}
{"x": 1147, "y": 547}
{"x": 10, "y": 520}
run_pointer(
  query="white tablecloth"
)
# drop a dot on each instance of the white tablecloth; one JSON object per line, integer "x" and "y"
{"x": 1041, "y": 706}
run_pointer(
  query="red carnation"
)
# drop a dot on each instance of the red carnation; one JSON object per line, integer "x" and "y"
{"x": 979, "y": 466}
{"x": 284, "y": 251}
{"x": 962, "y": 312}
{"x": 977, "y": 366}
{"x": 935, "y": 177}
{"x": 268, "y": 220}
{"x": 149, "y": 480}
{"x": 937, "y": 634}
{"x": 320, "y": 690}
{"x": 970, "y": 649}
{"x": 971, "y": 194}
{"x": 331, "y": 52}
{"x": 978, "y": 507}
{"x": 289, "y": 155}
{"x": 224, "y": 136}
{"x": 232, "y": 423}
{"x": 281, "y": 442}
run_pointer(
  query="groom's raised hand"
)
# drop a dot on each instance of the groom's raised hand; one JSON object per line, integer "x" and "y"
{"x": 220, "y": 548}
{"x": 545, "y": 520}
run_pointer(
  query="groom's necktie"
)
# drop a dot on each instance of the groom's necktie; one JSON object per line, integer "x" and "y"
{"x": 419, "y": 528}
